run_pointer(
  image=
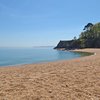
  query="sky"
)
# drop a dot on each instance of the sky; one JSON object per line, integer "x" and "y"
{"x": 28, "y": 23}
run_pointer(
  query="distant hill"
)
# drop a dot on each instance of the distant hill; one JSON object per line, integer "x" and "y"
{"x": 89, "y": 38}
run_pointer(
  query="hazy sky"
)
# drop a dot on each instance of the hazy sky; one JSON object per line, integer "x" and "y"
{"x": 27, "y": 23}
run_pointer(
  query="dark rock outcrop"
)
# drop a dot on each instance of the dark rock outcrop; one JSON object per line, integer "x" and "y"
{"x": 71, "y": 44}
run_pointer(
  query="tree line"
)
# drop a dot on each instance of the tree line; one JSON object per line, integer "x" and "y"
{"x": 90, "y": 37}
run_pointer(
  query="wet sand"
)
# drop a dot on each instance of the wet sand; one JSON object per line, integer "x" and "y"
{"x": 77, "y": 79}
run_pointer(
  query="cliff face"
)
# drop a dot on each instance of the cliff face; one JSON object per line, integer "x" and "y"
{"x": 71, "y": 44}
{"x": 63, "y": 44}
{"x": 89, "y": 38}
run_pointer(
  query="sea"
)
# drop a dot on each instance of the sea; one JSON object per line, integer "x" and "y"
{"x": 19, "y": 56}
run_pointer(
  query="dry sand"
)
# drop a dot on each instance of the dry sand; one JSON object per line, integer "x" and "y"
{"x": 77, "y": 79}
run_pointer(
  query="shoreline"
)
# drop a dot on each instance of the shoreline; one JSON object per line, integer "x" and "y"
{"x": 77, "y": 79}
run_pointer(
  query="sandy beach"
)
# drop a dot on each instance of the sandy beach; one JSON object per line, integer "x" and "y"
{"x": 77, "y": 79}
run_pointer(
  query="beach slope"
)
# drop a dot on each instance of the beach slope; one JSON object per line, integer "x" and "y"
{"x": 77, "y": 79}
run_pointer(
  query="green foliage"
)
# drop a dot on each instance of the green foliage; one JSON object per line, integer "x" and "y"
{"x": 90, "y": 38}
{"x": 88, "y": 26}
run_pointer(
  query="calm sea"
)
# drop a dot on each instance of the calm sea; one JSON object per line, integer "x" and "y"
{"x": 15, "y": 56}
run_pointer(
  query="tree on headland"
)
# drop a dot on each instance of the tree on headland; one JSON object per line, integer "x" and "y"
{"x": 75, "y": 38}
{"x": 88, "y": 26}
{"x": 90, "y": 38}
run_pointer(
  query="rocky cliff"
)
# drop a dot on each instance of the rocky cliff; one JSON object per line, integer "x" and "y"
{"x": 71, "y": 44}
{"x": 89, "y": 38}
